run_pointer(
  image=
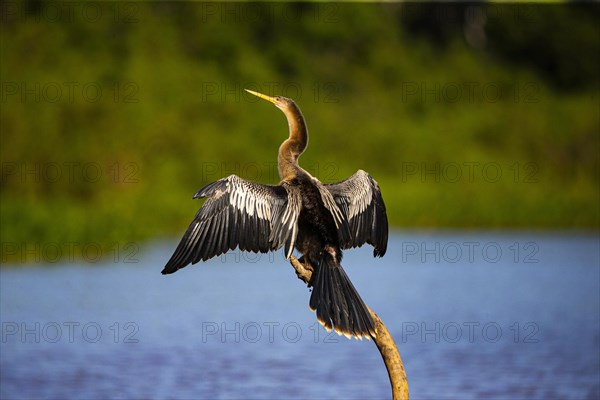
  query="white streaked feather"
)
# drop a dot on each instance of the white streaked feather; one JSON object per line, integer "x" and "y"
{"x": 292, "y": 240}
{"x": 252, "y": 202}
{"x": 331, "y": 205}
{"x": 250, "y": 205}
{"x": 259, "y": 209}
{"x": 360, "y": 202}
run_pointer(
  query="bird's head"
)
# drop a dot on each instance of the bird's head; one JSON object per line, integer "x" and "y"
{"x": 295, "y": 145}
{"x": 280, "y": 102}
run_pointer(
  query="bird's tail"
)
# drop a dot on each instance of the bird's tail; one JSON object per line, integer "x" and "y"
{"x": 337, "y": 302}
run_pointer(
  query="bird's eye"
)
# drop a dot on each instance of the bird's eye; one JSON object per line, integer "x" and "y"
{"x": 278, "y": 98}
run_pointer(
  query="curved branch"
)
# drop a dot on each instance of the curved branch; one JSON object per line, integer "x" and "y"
{"x": 384, "y": 341}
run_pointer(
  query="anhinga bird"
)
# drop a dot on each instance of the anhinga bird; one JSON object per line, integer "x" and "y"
{"x": 318, "y": 219}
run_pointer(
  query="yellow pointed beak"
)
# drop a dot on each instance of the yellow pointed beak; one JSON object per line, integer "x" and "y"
{"x": 262, "y": 96}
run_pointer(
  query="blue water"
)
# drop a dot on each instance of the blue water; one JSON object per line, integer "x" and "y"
{"x": 495, "y": 315}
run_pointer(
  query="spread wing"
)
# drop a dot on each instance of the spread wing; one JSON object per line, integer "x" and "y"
{"x": 238, "y": 213}
{"x": 359, "y": 198}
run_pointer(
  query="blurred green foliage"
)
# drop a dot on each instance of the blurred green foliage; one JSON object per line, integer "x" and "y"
{"x": 114, "y": 114}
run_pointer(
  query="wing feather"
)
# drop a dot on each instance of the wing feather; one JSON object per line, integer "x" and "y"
{"x": 359, "y": 199}
{"x": 238, "y": 213}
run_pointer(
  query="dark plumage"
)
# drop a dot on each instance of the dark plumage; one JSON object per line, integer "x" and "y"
{"x": 319, "y": 220}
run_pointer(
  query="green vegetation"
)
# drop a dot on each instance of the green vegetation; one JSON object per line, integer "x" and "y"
{"x": 114, "y": 115}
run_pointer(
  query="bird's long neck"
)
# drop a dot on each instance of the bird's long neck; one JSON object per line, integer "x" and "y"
{"x": 292, "y": 147}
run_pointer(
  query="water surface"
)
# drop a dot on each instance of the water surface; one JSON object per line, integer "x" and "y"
{"x": 496, "y": 315}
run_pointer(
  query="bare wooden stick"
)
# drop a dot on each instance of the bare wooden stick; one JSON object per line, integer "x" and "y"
{"x": 384, "y": 341}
